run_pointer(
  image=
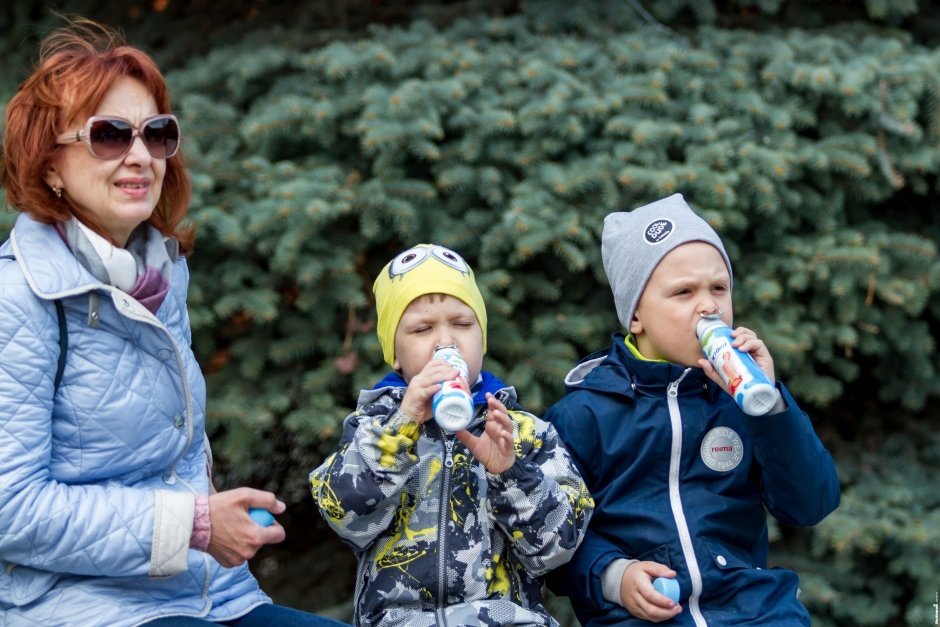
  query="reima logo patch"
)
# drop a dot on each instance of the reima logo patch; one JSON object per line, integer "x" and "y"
{"x": 658, "y": 231}
{"x": 722, "y": 449}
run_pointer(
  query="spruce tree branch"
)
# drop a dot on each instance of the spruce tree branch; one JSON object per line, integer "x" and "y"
{"x": 887, "y": 166}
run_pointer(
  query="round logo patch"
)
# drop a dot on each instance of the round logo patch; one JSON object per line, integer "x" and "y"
{"x": 722, "y": 449}
{"x": 658, "y": 231}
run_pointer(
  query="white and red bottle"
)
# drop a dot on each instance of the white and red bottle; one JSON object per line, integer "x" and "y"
{"x": 752, "y": 390}
{"x": 453, "y": 404}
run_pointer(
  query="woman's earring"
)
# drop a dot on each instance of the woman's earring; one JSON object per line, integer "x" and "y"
{"x": 57, "y": 191}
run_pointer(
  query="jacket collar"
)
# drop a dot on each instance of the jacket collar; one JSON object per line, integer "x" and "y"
{"x": 615, "y": 370}
{"x": 51, "y": 269}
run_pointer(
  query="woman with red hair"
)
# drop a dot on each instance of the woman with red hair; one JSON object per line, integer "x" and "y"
{"x": 107, "y": 511}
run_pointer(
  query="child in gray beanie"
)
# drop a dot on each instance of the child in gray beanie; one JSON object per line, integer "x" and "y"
{"x": 680, "y": 475}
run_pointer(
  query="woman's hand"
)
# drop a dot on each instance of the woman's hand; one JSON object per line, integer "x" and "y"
{"x": 494, "y": 448}
{"x": 234, "y": 537}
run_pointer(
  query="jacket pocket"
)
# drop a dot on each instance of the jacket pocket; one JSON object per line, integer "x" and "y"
{"x": 20, "y": 585}
{"x": 660, "y": 555}
{"x": 740, "y": 590}
{"x": 726, "y": 557}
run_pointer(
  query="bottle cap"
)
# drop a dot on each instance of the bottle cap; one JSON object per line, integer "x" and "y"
{"x": 706, "y": 322}
{"x": 261, "y": 516}
{"x": 667, "y": 587}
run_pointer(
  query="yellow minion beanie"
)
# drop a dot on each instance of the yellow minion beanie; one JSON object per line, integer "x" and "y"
{"x": 422, "y": 269}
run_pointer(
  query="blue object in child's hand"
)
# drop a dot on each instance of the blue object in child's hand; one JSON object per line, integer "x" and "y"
{"x": 261, "y": 516}
{"x": 667, "y": 587}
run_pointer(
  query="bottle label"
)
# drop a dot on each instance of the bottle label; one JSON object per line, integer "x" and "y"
{"x": 452, "y": 405}
{"x": 748, "y": 384}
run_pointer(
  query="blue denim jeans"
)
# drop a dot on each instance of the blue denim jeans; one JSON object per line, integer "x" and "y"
{"x": 262, "y": 616}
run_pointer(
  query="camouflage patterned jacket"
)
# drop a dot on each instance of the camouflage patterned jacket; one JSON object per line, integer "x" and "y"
{"x": 440, "y": 541}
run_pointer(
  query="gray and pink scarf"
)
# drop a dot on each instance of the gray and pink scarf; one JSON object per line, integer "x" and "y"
{"x": 143, "y": 268}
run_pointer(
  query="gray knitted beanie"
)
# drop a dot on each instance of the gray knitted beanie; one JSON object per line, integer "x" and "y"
{"x": 634, "y": 242}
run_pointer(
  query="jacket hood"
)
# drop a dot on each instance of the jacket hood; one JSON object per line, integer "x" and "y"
{"x": 606, "y": 371}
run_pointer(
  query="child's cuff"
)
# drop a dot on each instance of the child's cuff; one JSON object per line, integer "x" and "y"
{"x": 611, "y": 579}
{"x": 404, "y": 425}
{"x": 513, "y": 474}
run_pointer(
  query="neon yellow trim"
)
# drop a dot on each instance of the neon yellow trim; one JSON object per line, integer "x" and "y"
{"x": 636, "y": 351}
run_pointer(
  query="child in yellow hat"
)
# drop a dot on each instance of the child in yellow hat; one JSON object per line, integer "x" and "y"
{"x": 449, "y": 528}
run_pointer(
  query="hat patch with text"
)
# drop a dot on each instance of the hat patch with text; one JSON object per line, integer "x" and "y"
{"x": 658, "y": 231}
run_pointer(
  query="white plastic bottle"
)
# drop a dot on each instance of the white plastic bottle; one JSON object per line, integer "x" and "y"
{"x": 751, "y": 388}
{"x": 453, "y": 404}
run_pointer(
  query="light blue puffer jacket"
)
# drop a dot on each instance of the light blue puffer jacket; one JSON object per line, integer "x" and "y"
{"x": 98, "y": 479}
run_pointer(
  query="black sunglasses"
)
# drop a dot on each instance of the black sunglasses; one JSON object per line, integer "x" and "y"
{"x": 111, "y": 137}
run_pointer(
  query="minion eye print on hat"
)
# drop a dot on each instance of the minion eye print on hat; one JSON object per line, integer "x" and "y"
{"x": 414, "y": 257}
{"x": 450, "y": 258}
{"x": 422, "y": 269}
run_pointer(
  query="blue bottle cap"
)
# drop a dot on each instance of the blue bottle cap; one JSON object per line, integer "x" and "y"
{"x": 261, "y": 516}
{"x": 667, "y": 587}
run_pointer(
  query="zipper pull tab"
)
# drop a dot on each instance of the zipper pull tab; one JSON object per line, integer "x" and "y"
{"x": 448, "y": 458}
{"x": 673, "y": 389}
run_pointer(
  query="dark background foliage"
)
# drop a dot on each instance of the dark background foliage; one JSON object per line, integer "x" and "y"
{"x": 323, "y": 137}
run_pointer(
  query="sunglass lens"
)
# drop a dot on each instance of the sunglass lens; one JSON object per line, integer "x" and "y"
{"x": 110, "y": 138}
{"x": 162, "y": 137}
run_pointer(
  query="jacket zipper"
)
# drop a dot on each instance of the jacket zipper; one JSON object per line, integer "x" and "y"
{"x": 362, "y": 579}
{"x": 442, "y": 526}
{"x": 675, "y": 501}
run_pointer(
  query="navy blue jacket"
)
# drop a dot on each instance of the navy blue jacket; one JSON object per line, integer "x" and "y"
{"x": 681, "y": 476}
